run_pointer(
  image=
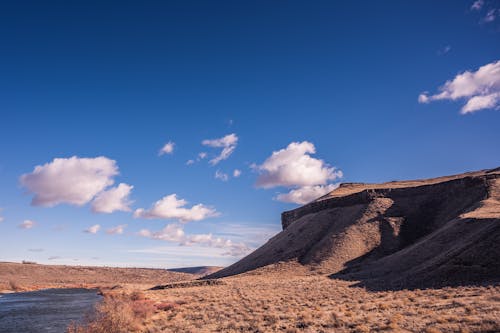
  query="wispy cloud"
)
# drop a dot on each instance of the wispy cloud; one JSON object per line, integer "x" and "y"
{"x": 175, "y": 233}
{"x": 27, "y": 224}
{"x": 228, "y": 144}
{"x": 54, "y": 258}
{"x": 1, "y": 217}
{"x": 477, "y": 5}
{"x": 170, "y": 207}
{"x": 236, "y": 173}
{"x": 93, "y": 229}
{"x": 168, "y": 148}
{"x": 118, "y": 230}
{"x": 36, "y": 250}
{"x": 444, "y": 50}
{"x": 480, "y": 89}
{"x": 221, "y": 176}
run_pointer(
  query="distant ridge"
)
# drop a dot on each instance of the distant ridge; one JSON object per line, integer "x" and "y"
{"x": 198, "y": 270}
{"x": 402, "y": 234}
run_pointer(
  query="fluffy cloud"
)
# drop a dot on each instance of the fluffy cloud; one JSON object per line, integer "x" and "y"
{"x": 480, "y": 89}
{"x": 71, "y": 180}
{"x": 114, "y": 199}
{"x": 169, "y": 207}
{"x": 118, "y": 230}
{"x": 175, "y": 233}
{"x": 27, "y": 224}
{"x": 221, "y": 175}
{"x": 236, "y": 173}
{"x": 294, "y": 167}
{"x": 227, "y": 143}
{"x": 306, "y": 194}
{"x": 168, "y": 148}
{"x": 93, "y": 229}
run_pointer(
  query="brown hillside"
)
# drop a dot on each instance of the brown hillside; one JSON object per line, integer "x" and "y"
{"x": 34, "y": 276}
{"x": 421, "y": 233}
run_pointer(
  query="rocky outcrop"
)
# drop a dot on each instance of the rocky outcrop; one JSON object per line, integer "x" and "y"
{"x": 440, "y": 231}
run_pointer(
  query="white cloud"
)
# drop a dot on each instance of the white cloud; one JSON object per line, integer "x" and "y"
{"x": 227, "y": 143}
{"x": 221, "y": 175}
{"x": 202, "y": 155}
{"x": 113, "y": 199}
{"x": 306, "y": 194}
{"x": 190, "y": 162}
{"x": 236, "y": 173}
{"x": 294, "y": 167}
{"x": 27, "y": 224}
{"x": 71, "y": 180}
{"x": 477, "y": 5}
{"x": 168, "y": 148}
{"x": 169, "y": 207}
{"x": 93, "y": 229}
{"x": 118, "y": 230}
{"x": 175, "y": 233}
{"x": 480, "y": 89}
{"x": 1, "y": 217}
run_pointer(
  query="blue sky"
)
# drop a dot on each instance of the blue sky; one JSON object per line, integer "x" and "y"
{"x": 91, "y": 91}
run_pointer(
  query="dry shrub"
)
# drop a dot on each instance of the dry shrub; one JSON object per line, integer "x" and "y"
{"x": 137, "y": 296}
{"x": 143, "y": 309}
{"x": 14, "y": 286}
{"x": 115, "y": 314}
{"x": 166, "y": 306}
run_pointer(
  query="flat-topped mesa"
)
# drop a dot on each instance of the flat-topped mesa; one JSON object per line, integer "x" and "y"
{"x": 349, "y": 194}
{"x": 402, "y": 234}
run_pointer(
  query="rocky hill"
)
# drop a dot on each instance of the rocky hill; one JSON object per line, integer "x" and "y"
{"x": 405, "y": 234}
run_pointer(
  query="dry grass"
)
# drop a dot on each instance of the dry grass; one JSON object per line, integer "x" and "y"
{"x": 117, "y": 313}
{"x": 35, "y": 276}
{"x": 275, "y": 303}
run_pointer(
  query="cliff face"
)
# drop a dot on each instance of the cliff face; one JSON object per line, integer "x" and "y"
{"x": 440, "y": 231}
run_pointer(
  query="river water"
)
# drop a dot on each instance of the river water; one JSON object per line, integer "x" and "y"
{"x": 44, "y": 311}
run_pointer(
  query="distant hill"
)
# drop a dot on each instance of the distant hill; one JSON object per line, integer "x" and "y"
{"x": 23, "y": 276}
{"x": 198, "y": 270}
{"x": 395, "y": 235}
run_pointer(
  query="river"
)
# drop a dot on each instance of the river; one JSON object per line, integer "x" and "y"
{"x": 44, "y": 311}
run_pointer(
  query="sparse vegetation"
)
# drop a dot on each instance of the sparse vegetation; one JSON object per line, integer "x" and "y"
{"x": 287, "y": 303}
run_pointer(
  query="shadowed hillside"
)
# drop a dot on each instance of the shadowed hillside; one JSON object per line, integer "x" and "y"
{"x": 422, "y": 233}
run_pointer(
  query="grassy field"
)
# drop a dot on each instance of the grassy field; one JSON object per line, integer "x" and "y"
{"x": 277, "y": 302}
